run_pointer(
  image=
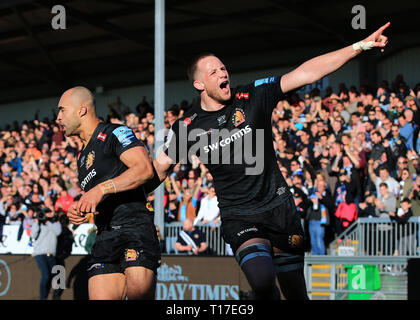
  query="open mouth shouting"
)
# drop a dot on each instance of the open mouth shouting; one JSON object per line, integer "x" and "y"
{"x": 225, "y": 86}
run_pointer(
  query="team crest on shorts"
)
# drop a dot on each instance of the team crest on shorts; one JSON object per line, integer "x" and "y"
{"x": 295, "y": 241}
{"x": 131, "y": 255}
{"x": 149, "y": 207}
{"x": 90, "y": 159}
{"x": 238, "y": 117}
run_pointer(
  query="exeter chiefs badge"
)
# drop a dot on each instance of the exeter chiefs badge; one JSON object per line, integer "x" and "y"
{"x": 149, "y": 206}
{"x": 131, "y": 255}
{"x": 238, "y": 117}
{"x": 90, "y": 159}
{"x": 295, "y": 241}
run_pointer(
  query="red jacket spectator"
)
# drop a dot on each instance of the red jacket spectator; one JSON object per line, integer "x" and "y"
{"x": 64, "y": 201}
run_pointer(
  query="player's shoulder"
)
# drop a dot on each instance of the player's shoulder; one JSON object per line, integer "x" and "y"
{"x": 247, "y": 90}
{"x": 110, "y": 132}
{"x": 187, "y": 118}
{"x": 110, "y": 127}
{"x": 115, "y": 129}
{"x": 266, "y": 81}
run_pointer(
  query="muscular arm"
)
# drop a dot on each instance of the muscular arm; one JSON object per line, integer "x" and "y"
{"x": 139, "y": 171}
{"x": 318, "y": 67}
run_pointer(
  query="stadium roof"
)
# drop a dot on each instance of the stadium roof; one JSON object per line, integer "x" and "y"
{"x": 111, "y": 43}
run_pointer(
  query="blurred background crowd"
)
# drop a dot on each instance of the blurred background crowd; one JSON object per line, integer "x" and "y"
{"x": 345, "y": 154}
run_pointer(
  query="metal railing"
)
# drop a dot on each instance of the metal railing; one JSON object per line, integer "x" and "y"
{"x": 214, "y": 239}
{"x": 379, "y": 237}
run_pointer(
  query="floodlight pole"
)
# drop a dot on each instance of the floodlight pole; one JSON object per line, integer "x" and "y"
{"x": 159, "y": 105}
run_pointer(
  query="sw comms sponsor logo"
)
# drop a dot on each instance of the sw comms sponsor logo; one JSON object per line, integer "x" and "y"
{"x": 224, "y": 142}
{"x": 242, "y": 146}
{"x": 86, "y": 180}
{"x": 253, "y": 229}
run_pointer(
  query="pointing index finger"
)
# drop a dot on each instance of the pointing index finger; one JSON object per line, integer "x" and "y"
{"x": 386, "y": 25}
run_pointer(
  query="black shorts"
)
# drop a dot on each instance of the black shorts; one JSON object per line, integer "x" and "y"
{"x": 133, "y": 245}
{"x": 281, "y": 226}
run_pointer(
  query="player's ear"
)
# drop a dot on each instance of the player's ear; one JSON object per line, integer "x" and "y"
{"x": 198, "y": 85}
{"x": 82, "y": 111}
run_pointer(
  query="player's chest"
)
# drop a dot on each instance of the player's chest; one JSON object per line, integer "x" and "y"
{"x": 93, "y": 164}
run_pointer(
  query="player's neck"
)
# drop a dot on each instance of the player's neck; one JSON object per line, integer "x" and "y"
{"x": 88, "y": 130}
{"x": 209, "y": 104}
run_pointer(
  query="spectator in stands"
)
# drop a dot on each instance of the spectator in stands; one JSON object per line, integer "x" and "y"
{"x": 14, "y": 215}
{"x": 209, "y": 212}
{"x": 346, "y": 212}
{"x": 377, "y": 147}
{"x": 402, "y": 163}
{"x": 346, "y": 188}
{"x": 117, "y": 109}
{"x": 2, "y": 219}
{"x": 187, "y": 201}
{"x": 173, "y": 114}
{"x": 297, "y": 180}
{"x": 57, "y": 137}
{"x": 386, "y": 201}
{"x": 325, "y": 198}
{"x": 28, "y": 221}
{"x": 161, "y": 240}
{"x": 75, "y": 189}
{"x": 368, "y": 207}
{"x": 64, "y": 201}
{"x": 353, "y": 173}
{"x": 384, "y": 177}
{"x": 318, "y": 217}
{"x": 64, "y": 247}
{"x": 415, "y": 196}
{"x": 32, "y": 153}
{"x": 143, "y": 108}
{"x": 406, "y": 130}
{"x": 191, "y": 240}
{"x": 44, "y": 234}
{"x": 406, "y": 238}
{"x": 406, "y": 185}
{"x": 397, "y": 142}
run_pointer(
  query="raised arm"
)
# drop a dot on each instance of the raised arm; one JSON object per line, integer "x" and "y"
{"x": 371, "y": 172}
{"x": 352, "y": 157}
{"x": 318, "y": 67}
{"x": 197, "y": 188}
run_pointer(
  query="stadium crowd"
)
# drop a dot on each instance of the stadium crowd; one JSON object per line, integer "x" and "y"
{"x": 346, "y": 154}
